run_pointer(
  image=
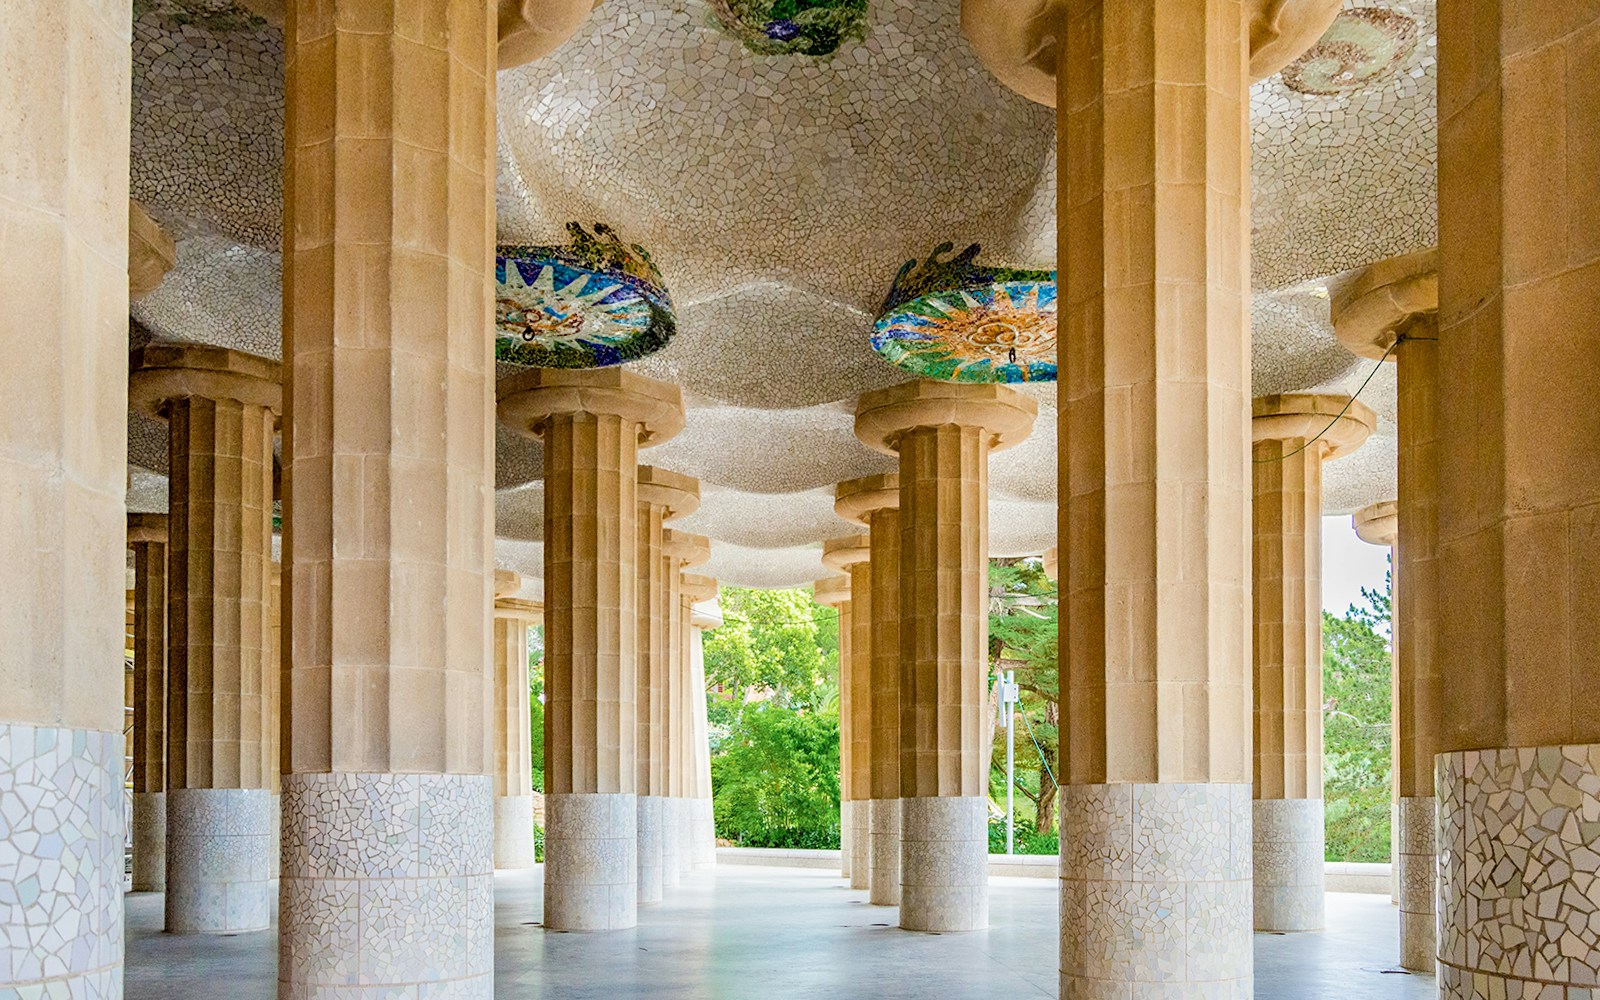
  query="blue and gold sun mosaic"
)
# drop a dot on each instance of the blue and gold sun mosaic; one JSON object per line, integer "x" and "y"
{"x": 792, "y": 27}
{"x": 955, "y": 320}
{"x": 593, "y": 303}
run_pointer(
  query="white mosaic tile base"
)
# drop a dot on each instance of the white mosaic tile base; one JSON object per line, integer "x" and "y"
{"x": 885, "y": 864}
{"x": 61, "y": 824}
{"x": 1156, "y": 891}
{"x": 704, "y": 826}
{"x": 1519, "y": 873}
{"x": 275, "y": 867}
{"x": 846, "y": 841}
{"x": 388, "y": 886}
{"x": 591, "y": 862}
{"x": 651, "y": 813}
{"x": 219, "y": 860}
{"x": 944, "y": 863}
{"x": 861, "y": 836}
{"x": 1289, "y": 865}
{"x": 513, "y": 831}
{"x": 671, "y": 872}
{"x": 685, "y": 815}
{"x": 149, "y": 841}
{"x": 1417, "y": 865}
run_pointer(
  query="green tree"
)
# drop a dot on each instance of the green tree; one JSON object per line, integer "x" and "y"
{"x": 1023, "y": 618}
{"x": 775, "y": 778}
{"x": 536, "y": 703}
{"x": 1357, "y": 761}
{"x": 777, "y": 642}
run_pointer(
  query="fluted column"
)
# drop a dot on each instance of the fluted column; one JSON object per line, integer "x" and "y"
{"x": 683, "y": 551}
{"x": 1391, "y": 311}
{"x": 875, "y": 503}
{"x": 388, "y": 476}
{"x": 834, "y": 592}
{"x": 1293, "y": 435}
{"x": 513, "y": 734}
{"x": 663, "y": 496}
{"x": 147, "y": 536}
{"x": 64, "y": 98}
{"x": 851, "y": 556}
{"x": 592, "y": 424}
{"x": 701, "y": 850}
{"x": 220, "y": 406}
{"x": 1154, "y": 445}
{"x": 943, "y": 435}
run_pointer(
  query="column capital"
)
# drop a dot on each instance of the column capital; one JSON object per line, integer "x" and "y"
{"x": 883, "y": 415}
{"x": 1020, "y": 42}
{"x": 1378, "y": 523}
{"x": 530, "y": 29}
{"x": 678, "y": 495}
{"x": 151, "y": 252}
{"x": 1292, "y": 416}
{"x": 842, "y": 553}
{"x": 147, "y": 528}
{"x": 164, "y": 372}
{"x": 516, "y": 608}
{"x": 856, "y": 500}
{"x": 697, "y": 588}
{"x": 831, "y": 591}
{"x": 688, "y": 549}
{"x": 530, "y": 398}
{"x": 1052, "y": 566}
{"x": 1387, "y": 299}
{"x": 506, "y": 583}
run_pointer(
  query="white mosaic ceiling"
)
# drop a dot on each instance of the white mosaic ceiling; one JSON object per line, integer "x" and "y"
{"x": 779, "y": 195}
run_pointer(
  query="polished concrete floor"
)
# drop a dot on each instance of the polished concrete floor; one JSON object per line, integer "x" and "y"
{"x": 774, "y": 933}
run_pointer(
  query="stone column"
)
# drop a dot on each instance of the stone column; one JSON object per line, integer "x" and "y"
{"x": 274, "y": 672}
{"x": 513, "y": 727}
{"x": 388, "y": 478}
{"x": 1378, "y": 524}
{"x": 1155, "y": 500}
{"x": 943, "y": 435}
{"x": 220, "y": 406}
{"x": 147, "y": 536}
{"x": 663, "y": 496}
{"x": 1518, "y": 557}
{"x": 592, "y": 424}
{"x": 64, "y": 96}
{"x": 683, "y": 550}
{"x": 834, "y": 592}
{"x": 1391, "y": 311}
{"x": 701, "y": 852}
{"x": 851, "y": 556}
{"x": 1293, "y": 435}
{"x": 875, "y": 503}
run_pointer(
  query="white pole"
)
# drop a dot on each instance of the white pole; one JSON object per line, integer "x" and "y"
{"x": 1011, "y": 759}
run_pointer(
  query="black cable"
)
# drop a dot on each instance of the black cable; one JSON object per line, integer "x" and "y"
{"x": 1347, "y": 405}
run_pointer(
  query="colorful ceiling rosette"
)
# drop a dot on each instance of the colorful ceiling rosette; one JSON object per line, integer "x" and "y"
{"x": 792, "y": 27}
{"x": 593, "y": 303}
{"x": 1364, "y": 46}
{"x": 957, "y": 320}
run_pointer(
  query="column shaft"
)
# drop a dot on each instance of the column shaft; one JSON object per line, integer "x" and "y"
{"x": 220, "y": 839}
{"x": 1518, "y": 556}
{"x": 703, "y": 825}
{"x": 388, "y": 798}
{"x": 943, "y": 654}
{"x": 654, "y": 636}
{"x": 591, "y": 568}
{"x": 861, "y": 724}
{"x": 513, "y": 745}
{"x": 1154, "y": 445}
{"x": 1416, "y": 642}
{"x": 149, "y": 715}
{"x": 64, "y": 100}
{"x": 834, "y": 592}
{"x": 672, "y": 846}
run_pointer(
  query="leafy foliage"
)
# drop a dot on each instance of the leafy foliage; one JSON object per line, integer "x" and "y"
{"x": 536, "y": 707}
{"x": 776, "y": 644}
{"x": 1357, "y": 710}
{"x": 1023, "y": 618}
{"x": 775, "y": 778}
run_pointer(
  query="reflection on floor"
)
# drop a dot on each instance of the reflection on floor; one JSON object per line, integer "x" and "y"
{"x": 782, "y": 932}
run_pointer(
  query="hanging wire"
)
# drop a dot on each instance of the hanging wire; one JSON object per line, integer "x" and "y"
{"x": 1045, "y": 763}
{"x": 1347, "y": 405}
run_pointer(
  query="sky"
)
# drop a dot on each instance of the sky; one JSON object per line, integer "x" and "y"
{"x": 1348, "y": 564}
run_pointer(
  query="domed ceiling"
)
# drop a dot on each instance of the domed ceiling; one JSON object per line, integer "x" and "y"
{"x": 779, "y": 193}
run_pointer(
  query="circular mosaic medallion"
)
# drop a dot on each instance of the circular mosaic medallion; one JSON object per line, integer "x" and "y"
{"x": 1364, "y": 45}
{"x": 787, "y": 27}
{"x": 594, "y": 303}
{"x": 959, "y": 321}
